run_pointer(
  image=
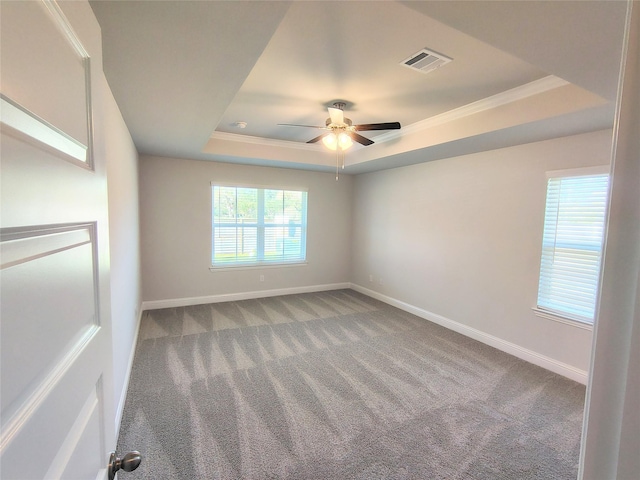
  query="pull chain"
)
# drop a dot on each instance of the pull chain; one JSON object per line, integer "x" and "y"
{"x": 339, "y": 160}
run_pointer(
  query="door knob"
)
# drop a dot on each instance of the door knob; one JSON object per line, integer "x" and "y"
{"x": 128, "y": 463}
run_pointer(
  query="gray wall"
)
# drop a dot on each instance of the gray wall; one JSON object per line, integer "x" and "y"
{"x": 460, "y": 239}
{"x": 175, "y": 202}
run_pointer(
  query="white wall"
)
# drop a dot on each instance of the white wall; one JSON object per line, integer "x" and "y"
{"x": 460, "y": 240}
{"x": 175, "y": 210}
{"x": 124, "y": 243}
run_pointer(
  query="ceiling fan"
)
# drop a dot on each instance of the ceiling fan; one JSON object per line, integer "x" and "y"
{"x": 341, "y": 130}
{"x": 342, "y": 133}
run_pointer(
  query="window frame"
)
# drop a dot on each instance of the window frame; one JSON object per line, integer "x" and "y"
{"x": 556, "y": 314}
{"x": 261, "y": 225}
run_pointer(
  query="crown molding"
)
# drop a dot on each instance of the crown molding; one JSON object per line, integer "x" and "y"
{"x": 264, "y": 142}
{"x": 508, "y": 96}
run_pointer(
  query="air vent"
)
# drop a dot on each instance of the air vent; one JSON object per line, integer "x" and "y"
{"x": 425, "y": 61}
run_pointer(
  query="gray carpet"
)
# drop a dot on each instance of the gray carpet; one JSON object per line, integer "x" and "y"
{"x": 336, "y": 385}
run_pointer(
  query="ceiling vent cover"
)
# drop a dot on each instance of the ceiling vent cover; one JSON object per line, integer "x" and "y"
{"x": 425, "y": 61}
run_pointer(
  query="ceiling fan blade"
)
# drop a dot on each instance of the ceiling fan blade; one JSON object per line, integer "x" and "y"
{"x": 317, "y": 139}
{"x": 377, "y": 126}
{"x": 360, "y": 139}
{"x": 337, "y": 115}
{"x": 296, "y": 125}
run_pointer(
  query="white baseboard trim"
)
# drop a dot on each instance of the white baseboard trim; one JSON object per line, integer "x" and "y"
{"x": 125, "y": 385}
{"x": 232, "y": 297}
{"x": 527, "y": 355}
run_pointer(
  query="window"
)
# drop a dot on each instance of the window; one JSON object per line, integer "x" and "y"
{"x": 574, "y": 223}
{"x": 258, "y": 226}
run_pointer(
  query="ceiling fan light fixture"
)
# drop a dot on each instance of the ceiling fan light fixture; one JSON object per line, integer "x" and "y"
{"x": 344, "y": 141}
{"x": 332, "y": 141}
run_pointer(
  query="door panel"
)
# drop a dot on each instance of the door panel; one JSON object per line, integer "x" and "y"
{"x": 54, "y": 316}
{"x": 49, "y": 276}
{"x": 55, "y": 423}
{"x": 47, "y": 69}
{"x": 81, "y": 444}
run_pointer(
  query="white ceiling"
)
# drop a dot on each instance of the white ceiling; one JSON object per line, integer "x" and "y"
{"x": 183, "y": 73}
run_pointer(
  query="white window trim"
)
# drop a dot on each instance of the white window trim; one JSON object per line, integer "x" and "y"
{"x": 258, "y": 185}
{"x": 579, "y": 172}
{"x": 264, "y": 266}
{"x": 563, "y": 317}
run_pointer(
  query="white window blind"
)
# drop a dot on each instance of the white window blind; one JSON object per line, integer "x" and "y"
{"x": 257, "y": 226}
{"x": 572, "y": 245}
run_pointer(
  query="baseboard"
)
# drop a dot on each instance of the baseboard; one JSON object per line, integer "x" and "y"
{"x": 125, "y": 385}
{"x": 232, "y": 297}
{"x": 527, "y": 355}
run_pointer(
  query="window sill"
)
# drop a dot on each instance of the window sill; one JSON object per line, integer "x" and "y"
{"x": 562, "y": 319}
{"x": 234, "y": 268}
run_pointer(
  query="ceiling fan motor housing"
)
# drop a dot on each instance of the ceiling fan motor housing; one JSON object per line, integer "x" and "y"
{"x": 347, "y": 121}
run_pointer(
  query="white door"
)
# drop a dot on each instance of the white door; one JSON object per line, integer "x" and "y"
{"x": 56, "y": 380}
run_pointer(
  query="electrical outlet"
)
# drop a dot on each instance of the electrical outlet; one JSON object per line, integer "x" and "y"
{"x": 262, "y": 278}
{"x": 371, "y": 278}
